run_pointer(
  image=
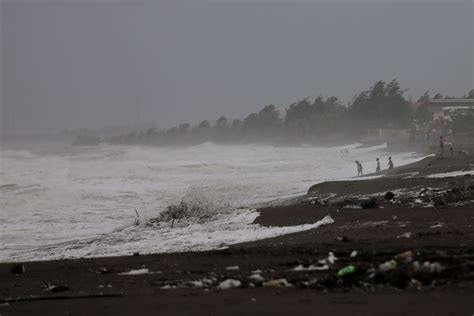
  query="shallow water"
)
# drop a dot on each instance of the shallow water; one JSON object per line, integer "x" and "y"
{"x": 63, "y": 201}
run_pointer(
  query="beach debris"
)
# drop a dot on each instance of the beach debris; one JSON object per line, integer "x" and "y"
{"x": 346, "y": 270}
{"x": 404, "y": 235}
{"x": 329, "y": 260}
{"x": 388, "y": 265}
{"x": 103, "y": 270}
{"x": 437, "y": 225}
{"x": 229, "y": 284}
{"x": 343, "y": 238}
{"x": 168, "y": 287}
{"x": 353, "y": 254}
{"x": 432, "y": 267}
{"x": 256, "y": 277}
{"x": 389, "y": 196}
{"x": 137, "y": 218}
{"x": 18, "y": 269}
{"x": 405, "y": 256}
{"x": 256, "y": 271}
{"x": 196, "y": 283}
{"x": 232, "y": 268}
{"x": 311, "y": 268}
{"x": 57, "y": 288}
{"x": 277, "y": 283}
{"x": 136, "y": 272}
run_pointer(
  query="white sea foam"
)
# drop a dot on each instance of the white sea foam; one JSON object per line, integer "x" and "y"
{"x": 81, "y": 201}
{"x": 451, "y": 174}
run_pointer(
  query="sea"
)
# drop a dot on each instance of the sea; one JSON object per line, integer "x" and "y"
{"x": 61, "y": 201}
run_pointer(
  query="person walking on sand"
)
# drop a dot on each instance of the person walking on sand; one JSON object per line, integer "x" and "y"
{"x": 441, "y": 144}
{"x": 359, "y": 168}
{"x": 378, "y": 165}
{"x": 390, "y": 163}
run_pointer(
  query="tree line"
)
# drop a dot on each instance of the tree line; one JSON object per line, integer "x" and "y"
{"x": 318, "y": 121}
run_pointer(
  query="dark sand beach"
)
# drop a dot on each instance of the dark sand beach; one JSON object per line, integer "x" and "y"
{"x": 412, "y": 254}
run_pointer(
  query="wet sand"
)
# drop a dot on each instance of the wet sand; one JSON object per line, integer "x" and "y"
{"x": 431, "y": 217}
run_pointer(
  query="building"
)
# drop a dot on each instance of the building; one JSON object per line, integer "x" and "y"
{"x": 441, "y": 108}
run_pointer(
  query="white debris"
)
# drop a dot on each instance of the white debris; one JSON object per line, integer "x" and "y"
{"x": 329, "y": 260}
{"x": 405, "y": 235}
{"x": 311, "y": 268}
{"x": 229, "y": 284}
{"x": 451, "y": 174}
{"x": 256, "y": 277}
{"x": 354, "y": 254}
{"x": 277, "y": 283}
{"x": 437, "y": 225}
{"x": 168, "y": 287}
{"x": 135, "y": 272}
{"x": 257, "y": 271}
{"x": 139, "y": 271}
{"x": 232, "y": 268}
{"x": 196, "y": 283}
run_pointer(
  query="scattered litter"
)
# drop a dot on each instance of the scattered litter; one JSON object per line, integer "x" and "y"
{"x": 405, "y": 235}
{"x": 437, "y": 225}
{"x": 232, "y": 268}
{"x": 405, "y": 256}
{"x": 311, "y": 268}
{"x": 354, "y": 254}
{"x": 138, "y": 272}
{"x": 388, "y": 265}
{"x": 256, "y": 277}
{"x": 346, "y": 270}
{"x": 196, "y": 283}
{"x": 229, "y": 284}
{"x": 329, "y": 260}
{"x": 432, "y": 267}
{"x": 277, "y": 283}
{"x": 57, "y": 288}
{"x": 168, "y": 287}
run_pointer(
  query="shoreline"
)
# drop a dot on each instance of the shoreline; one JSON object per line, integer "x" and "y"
{"x": 436, "y": 226}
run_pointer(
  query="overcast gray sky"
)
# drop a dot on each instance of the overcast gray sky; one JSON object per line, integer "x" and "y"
{"x": 72, "y": 64}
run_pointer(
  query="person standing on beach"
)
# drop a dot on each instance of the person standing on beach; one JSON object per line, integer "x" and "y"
{"x": 378, "y": 165}
{"x": 359, "y": 168}
{"x": 390, "y": 163}
{"x": 441, "y": 144}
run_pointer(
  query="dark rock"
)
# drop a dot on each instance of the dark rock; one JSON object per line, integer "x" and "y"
{"x": 370, "y": 203}
{"x": 59, "y": 288}
{"x": 389, "y": 196}
{"x": 136, "y": 254}
{"x": 18, "y": 269}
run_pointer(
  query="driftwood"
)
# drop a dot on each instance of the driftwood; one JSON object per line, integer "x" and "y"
{"x": 57, "y": 297}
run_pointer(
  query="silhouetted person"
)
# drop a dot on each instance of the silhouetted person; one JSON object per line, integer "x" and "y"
{"x": 359, "y": 168}
{"x": 390, "y": 163}
{"x": 378, "y": 165}
{"x": 441, "y": 144}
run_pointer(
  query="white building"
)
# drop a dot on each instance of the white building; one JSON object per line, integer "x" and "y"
{"x": 441, "y": 108}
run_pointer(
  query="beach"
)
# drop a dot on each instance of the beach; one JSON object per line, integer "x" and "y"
{"x": 371, "y": 252}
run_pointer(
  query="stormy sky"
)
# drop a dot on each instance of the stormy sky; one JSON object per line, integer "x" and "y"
{"x": 92, "y": 64}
